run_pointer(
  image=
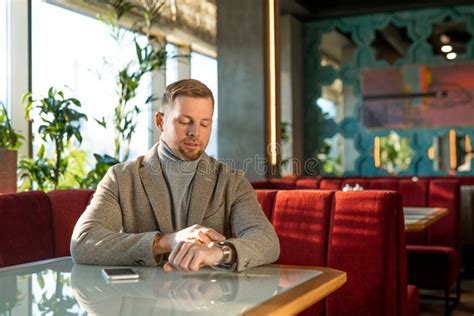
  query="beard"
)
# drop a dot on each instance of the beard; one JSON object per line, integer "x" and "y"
{"x": 190, "y": 154}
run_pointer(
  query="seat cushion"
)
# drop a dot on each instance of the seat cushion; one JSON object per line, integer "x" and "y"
{"x": 432, "y": 267}
{"x": 66, "y": 207}
{"x": 26, "y": 232}
{"x": 266, "y": 198}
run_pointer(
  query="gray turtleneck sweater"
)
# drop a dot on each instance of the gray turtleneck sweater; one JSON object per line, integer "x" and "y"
{"x": 179, "y": 176}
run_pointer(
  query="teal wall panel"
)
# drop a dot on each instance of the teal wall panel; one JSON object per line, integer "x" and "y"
{"x": 362, "y": 29}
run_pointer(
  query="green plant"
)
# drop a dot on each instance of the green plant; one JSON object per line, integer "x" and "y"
{"x": 330, "y": 165}
{"x": 9, "y": 139}
{"x": 103, "y": 163}
{"x": 395, "y": 153}
{"x": 60, "y": 124}
{"x": 149, "y": 57}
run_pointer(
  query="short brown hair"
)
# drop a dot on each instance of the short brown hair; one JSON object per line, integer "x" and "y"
{"x": 186, "y": 87}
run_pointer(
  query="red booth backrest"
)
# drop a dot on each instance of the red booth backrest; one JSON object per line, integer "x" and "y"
{"x": 266, "y": 198}
{"x": 364, "y": 183}
{"x": 361, "y": 233}
{"x": 330, "y": 184}
{"x": 414, "y": 193}
{"x": 384, "y": 184}
{"x": 307, "y": 183}
{"x": 26, "y": 233}
{"x": 366, "y": 240}
{"x": 274, "y": 184}
{"x": 66, "y": 207}
{"x": 446, "y": 231}
{"x": 301, "y": 221}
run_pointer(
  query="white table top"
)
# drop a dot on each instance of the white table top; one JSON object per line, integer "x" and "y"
{"x": 61, "y": 286}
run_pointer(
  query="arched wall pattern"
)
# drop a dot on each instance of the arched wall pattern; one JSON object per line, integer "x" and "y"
{"x": 418, "y": 24}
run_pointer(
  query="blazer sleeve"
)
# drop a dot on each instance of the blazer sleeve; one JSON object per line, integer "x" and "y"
{"x": 98, "y": 238}
{"x": 257, "y": 242}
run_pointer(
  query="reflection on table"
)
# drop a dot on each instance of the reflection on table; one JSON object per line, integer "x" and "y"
{"x": 63, "y": 288}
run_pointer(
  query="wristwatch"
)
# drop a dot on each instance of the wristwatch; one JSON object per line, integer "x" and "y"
{"x": 228, "y": 254}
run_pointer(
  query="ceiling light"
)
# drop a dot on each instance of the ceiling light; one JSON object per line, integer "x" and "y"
{"x": 444, "y": 39}
{"x": 451, "y": 56}
{"x": 446, "y": 48}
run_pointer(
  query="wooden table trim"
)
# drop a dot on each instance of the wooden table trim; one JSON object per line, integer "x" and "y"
{"x": 302, "y": 296}
{"x": 422, "y": 224}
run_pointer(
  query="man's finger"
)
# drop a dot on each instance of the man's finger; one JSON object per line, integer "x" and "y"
{"x": 184, "y": 263}
{"x": 197, "y": 260}
{"x": 176, "y": 261}
{"x": 204, "y": 238}
{"x": 168, "y": 267}
{"x": 215, "y": 236}
{"x": 175, "y": 251}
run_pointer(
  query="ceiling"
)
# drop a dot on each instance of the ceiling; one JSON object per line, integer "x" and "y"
{"x": 311, "y": 9}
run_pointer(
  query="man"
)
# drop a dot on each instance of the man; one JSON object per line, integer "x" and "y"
{"x": 176, "y": 201}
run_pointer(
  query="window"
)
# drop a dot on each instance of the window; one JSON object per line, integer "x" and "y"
{"x": 76, "y": 53}
{"x": 3, "y": 51}
{"x": 171, "y": 63}
{"x": 204, "y": 69}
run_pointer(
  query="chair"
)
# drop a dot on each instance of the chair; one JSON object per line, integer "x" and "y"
{"x": 26, "y": 233}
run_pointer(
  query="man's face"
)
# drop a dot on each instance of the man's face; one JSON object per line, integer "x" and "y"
{"x": 186, "y": 126}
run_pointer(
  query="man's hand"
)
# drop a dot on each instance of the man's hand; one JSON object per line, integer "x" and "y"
{"x": 191, "y": 256}
{"x": 195, "y": 233}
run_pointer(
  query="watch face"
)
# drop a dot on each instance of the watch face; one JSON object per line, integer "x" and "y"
{"x": 226, "y": 255}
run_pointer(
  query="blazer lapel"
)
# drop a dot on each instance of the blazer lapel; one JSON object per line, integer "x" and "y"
{"x": 203, "y": 187}
{"x": 157, "y": 190}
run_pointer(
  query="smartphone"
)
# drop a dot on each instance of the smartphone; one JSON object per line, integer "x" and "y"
{"x": 112, "y": 274}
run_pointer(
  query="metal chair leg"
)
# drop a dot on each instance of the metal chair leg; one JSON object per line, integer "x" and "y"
{"x": 458, "y": 290}
{"x": 447, "y": 310}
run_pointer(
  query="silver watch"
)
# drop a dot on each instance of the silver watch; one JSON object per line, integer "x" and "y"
{"x": 227, "y": 253}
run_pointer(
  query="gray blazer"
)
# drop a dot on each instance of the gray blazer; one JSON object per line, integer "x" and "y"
{"x": 132, "y": 203}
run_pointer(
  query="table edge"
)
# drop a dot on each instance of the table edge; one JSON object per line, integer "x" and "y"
{"x": 421, "y": 225}
{"x": 303, "y": 295}
{"x": 32, "y": 264}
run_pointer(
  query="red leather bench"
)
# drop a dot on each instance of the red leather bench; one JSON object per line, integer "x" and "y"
{"x": 36, "y": 226}
{"x": 357, "y": 232}
{"x": 434, "y": 255}
{"x": 361, "y": 233}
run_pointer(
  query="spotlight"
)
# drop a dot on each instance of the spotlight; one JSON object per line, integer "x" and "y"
{"x": 446, "y": 48}
{"x": 451, "y": 56}
{"x": 444, "y": 39}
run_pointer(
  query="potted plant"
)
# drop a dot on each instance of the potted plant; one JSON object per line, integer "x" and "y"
{"x": 149, "y": 57}
{"x": 60, "y": 121}
{"x": 10, "y": 141}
